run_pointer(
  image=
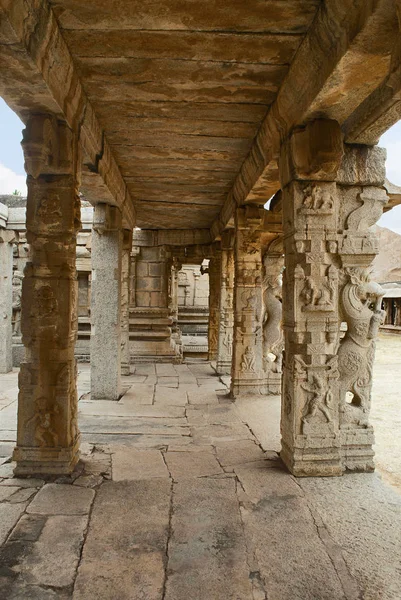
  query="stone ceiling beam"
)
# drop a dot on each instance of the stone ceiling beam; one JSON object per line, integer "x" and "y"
{"x": 37, "y": 74}
{"x": 349, "y": 50}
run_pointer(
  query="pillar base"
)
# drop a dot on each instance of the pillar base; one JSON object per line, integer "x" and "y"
{"x": 313, "y": 457}
{"x": 248, "y": 387}
{"x": 46, "y": 461}
{"x": 357, "y": 451}
{"x": 223, "y": 367}
{"x": 125, "y": 369}
{"x": 274, "y": 384}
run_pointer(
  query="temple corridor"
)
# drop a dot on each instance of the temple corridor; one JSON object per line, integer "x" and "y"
{"x": 179, "y": 488}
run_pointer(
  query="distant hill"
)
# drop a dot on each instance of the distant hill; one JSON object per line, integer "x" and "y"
{"x": 387, "y": 264}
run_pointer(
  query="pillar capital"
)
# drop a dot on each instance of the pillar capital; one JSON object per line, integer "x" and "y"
{"x": 48, "y": 146}
{"x": 313, "y": 152}
{"x": 106, "y": 218}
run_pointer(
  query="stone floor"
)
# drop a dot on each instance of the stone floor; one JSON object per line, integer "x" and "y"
{"x": 180, "y": 495}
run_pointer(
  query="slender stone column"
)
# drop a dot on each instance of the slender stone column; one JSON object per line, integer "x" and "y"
{"x": 226, "y": 324}
{"x": 125, "y": 301}
{"x": 327, "y": 248}
{"x": 273, "y": 339}
{"x": 214, "y": 305}
{"x": 47, "y": 436}
{"x": 247, "y": 374}
{"x": 107, "y": 240}
{"x": 6, "y": 299}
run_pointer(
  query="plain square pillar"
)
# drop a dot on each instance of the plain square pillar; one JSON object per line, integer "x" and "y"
{"x": 107, "y": 242}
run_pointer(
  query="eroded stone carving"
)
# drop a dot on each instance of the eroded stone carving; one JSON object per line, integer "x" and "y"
{"x": 361, "y": 304}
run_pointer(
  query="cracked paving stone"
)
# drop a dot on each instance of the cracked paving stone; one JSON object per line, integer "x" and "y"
{"x": 61, "y": 499}
{"x": 207, "y": 552}
{"x": 130, "y": 464}
{"x": 123, "y": 557}
{"x": 9, "y": 515}
{"x": 53, "y": 559}
{"x": 184, "y": 465}
{"x": 28, "y": 528}
{"x": 279, "y": 527}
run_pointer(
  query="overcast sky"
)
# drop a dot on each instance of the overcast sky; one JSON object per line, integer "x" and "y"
{"x": 12, "y": 175}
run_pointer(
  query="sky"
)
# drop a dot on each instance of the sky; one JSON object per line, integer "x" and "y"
{"x": 12, "y": 174}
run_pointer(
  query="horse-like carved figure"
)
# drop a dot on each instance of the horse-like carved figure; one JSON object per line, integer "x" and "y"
{"x": 361, "y": 305}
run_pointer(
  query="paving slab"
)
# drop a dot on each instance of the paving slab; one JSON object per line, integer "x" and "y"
{"x": 290, "y": 554}
{"x": 132, "y": 425}
{"x": 54, "y": 558}
{"x": 207, "y": 552}
{"x": 124, "y": 553}
{"x": 140, "y": 393}
{"x": 212, "y": 414}
{"x": 28, "y": 528}
{"x": 58, "y": 499}
{"x": 166, "y": 370}
{"x": 199, "y": 396}
{"x": 138, "y": 440}
{"x": 171, "y": 382}
{"x": 186, "y": 465}
{"x": 145, "y": 369}
{"x": 7, "y": 491}
{"x": 130, "y": 464}
{"x": 211, "y": 434}
{"x": 238, "y": 452}
{"x": 363, "y": 517}
{"x": 262, "y": 414}
{"x": 165, "y": 396}
{"x": 9, "y": 515}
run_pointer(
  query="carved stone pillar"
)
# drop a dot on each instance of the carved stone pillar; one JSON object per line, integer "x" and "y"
{"x": 175, "y": 268}
{"x": 326, "y": 382}
{"x": 6, "y": 299}
{"x": 107, "y": 239}
{"x": 247, "y": 374}
{"x": 214, "y": 305}
{"x": 273, "y": 339}
{"x": 47, "y": 436}
{"x": 361, "y": 200}
{"x": 311, "y": 443}
{"x": 125, "y": 301}
{"x": 226, "y": 324}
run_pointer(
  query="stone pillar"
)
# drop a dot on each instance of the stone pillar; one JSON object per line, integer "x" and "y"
{"x": 362, "y": 196}
{"x": 6, "y": 300}
{"x": 214, "y": 305}
{"x": 247, "y": 375}
{"x": 273, "y": 339}
{"x": 226, "y": 324}
{"x": 47, "y": 436}
{"x": 327, "y": 244}
{"x": 107, "y": 240}
{"x": 125, "y": 301}
{"x": 175, "y": 268}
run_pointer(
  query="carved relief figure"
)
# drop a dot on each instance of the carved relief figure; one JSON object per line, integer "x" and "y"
{"x": 317, "y": 200}
{"x": 248, "y": 361}
{"x": 361, "y": 304}
{"x": 273, "y": 342}
{"x": 17, "y": 290}
{"x": 320, "y": 297}
{"x": 44, "y": 419}
{"x": 321, "y": 400}
{"x": 49, "y": 209}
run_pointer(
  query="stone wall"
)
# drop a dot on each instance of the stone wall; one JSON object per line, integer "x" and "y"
{"x": 193, "y": 299}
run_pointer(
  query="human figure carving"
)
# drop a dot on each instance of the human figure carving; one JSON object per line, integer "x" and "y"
{"x": 43, "y": 418}
{"x": 361, "y": 304}
{"x": 248, "y": 360}
{"x": 321, "y": 400}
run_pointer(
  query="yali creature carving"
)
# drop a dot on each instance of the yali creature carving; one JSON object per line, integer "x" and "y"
{"x": 361, "y": 304}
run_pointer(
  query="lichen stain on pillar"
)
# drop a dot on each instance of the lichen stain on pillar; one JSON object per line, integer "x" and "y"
{"x": 48, "y": 436}
{"x": 327, "y": 212}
